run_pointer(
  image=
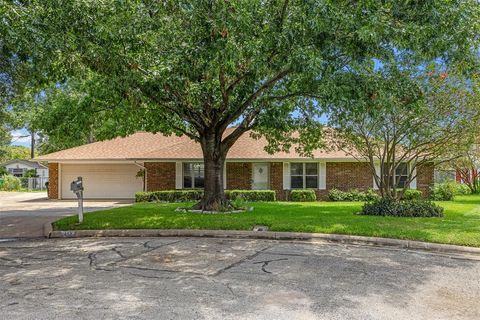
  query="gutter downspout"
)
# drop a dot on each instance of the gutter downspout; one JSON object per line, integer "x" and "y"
{"x": 144, "y": 174}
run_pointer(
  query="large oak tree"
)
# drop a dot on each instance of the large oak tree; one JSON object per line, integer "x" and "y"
{"x": 197, "y": 67}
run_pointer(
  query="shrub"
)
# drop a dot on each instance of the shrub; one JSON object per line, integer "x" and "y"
{"x": 462, "y": 189}
{"x": 11, "y": 183}
{"x": 370, "y": 195}
{"x": 412, "y": 194}
{"x": 169, "y": 196}
{"x": 352, "y": 195}
{"x": 302, "y": 195}
{"x": 239, "y": 203}
{"x": 32, "y": 173}
{"x": 337, "y": 195}
{"x": 142, "y": 196}
{"x": 195, "y": 195}
{"x": 444, "y": 191}
{"x": 447, "y": 191}
{"x": 251, "y": 195}
{"x": 411, "y": 208}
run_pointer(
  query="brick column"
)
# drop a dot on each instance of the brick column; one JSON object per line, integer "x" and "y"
{"x": 425, "y": 178}
{"x": 276, "y": 180}
{"x": 53, "y": 181}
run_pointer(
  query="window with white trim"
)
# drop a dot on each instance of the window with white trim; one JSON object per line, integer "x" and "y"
{"x": 193, "y": 175}
{"x": 401, "y": 175}
{"x": 304, "y": 175}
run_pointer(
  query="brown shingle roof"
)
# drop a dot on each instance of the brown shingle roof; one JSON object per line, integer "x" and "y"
{"x": 149, "y": 146}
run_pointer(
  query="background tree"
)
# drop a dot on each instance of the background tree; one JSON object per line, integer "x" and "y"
{"x": 14, "y": 152}
{"x": 467, "y": 167}
{"x": 76, "y": 112}
{"x": 5, "y": 136}
{"x": 197, "y": 67}
{"x": 15, "y": 75}
{"x": 402, "y": 119}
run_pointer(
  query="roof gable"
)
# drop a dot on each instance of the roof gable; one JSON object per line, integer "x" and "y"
{"x": 29, "y": 163}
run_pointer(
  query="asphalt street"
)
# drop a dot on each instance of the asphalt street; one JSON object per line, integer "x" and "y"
{"x": 200, "y": 278}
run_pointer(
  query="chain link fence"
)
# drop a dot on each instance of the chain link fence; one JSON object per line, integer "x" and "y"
{"x": 38, "y": 183}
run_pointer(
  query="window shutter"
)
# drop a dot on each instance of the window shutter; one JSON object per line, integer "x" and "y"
{"x": 178, "y": 175}
{"x": 413, "y": 183}
{"x": 225, "y": 175}
{"x": 377, "y": 171}
{"x": 322, "y": 175}
{"x": 286, "y": 176}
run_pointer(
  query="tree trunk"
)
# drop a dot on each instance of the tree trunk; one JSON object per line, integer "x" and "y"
{"x": 214, "y": 198}
{"x": 32, "y": 144}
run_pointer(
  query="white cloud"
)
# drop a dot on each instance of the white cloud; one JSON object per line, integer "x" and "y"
{"x": 20, "y": 137}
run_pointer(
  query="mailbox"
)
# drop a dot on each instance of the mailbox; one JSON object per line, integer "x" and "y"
{"x": 77, "y": 188}
{"x": 77, "y": 185}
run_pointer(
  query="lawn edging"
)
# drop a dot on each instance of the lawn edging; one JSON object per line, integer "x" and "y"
{"x": 267, "y": 235}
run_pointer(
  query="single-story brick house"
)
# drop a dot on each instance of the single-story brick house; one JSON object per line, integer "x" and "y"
{"x": 109, "y": 168}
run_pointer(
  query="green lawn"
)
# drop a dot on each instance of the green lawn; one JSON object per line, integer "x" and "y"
{"x": 460, "y": 225}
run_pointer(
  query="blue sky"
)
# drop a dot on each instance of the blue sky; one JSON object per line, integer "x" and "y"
{"x": 20, "y": 138}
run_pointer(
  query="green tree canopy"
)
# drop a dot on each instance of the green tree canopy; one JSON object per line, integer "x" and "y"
{"x": 14, "y": 152}
{"x": 400, "y": 119}
{"x": 198, "y": 67}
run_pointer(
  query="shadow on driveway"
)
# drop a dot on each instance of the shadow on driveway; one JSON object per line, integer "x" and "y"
{"x": 23, "y": 214}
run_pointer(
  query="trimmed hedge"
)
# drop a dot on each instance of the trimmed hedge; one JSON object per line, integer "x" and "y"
{"x": 169, "y": 196}
{"x": 302, "y": 195}
{"x": 352, "y": 195}
{"x": 195, "y": 195}
{"x": 251, "y": 195}
{"x": 403, "y": 208}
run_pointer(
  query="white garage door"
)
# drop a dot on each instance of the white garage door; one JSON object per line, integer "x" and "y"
{"x": 102, "y": 181}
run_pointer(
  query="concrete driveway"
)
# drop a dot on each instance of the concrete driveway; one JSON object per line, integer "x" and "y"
{"x": 200, "y": 278}
{"x": 23, "y": 214}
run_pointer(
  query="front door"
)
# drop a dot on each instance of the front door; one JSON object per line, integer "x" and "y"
{"x": 260, "y": 176}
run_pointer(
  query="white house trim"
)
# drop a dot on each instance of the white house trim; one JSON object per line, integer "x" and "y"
{"x": 286, "y": 176}
{"x": 59, "y": 181}
{"x": 322, "y": 175}
{"x": 377, "y": 171}
{"x": 413, "y": 183}
{"x": 225, "y": 175}
{"x": 178, "y": 175}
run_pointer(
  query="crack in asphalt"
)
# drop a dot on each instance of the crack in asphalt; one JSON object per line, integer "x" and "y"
{"x": 110, "y": 266}
{"x": 267, "y": 262}
{"x": 249, "y": 257}
{"x": 115, "y": 249}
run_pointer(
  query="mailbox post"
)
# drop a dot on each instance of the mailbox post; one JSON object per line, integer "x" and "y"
{"x": 77, "y": 187}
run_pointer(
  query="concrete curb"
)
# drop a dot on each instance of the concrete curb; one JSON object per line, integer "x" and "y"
{"x": 47, "y": 229}
{"x": 269, "y": 235}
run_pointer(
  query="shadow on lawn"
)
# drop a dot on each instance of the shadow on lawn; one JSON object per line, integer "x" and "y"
{"x": 310, "y": 280}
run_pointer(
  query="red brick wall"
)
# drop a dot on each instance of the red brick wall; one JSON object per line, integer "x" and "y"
{"x": 160, "y": 175}
{"x": 239, "y": 175}
{"x": 340, "y": 175}
{"x": 276, "y": 179}
{"x": 349, "y": 175}
{"x": 425, "y": 176}
{"x": 53, "y": 181}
